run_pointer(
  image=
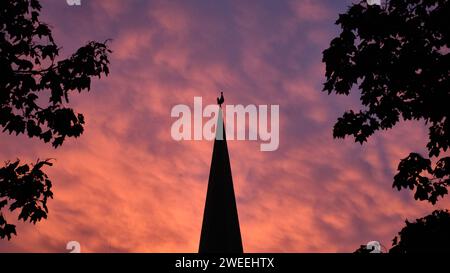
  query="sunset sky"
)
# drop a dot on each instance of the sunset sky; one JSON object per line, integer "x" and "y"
{"x": 126, "y": 186}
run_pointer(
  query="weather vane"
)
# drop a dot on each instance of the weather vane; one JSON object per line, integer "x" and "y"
{"x": 220, "y": 100}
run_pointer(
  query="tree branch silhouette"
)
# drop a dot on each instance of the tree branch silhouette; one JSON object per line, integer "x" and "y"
{"x": 24, "y": 188}
{"x": 26, "y": 46}
{"x": 427, "y": 234}
{"x": 398, "y": 58}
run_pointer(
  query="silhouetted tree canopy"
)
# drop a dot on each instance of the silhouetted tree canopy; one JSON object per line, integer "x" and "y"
{"x": 428, "y": 234}
{"x": 25, "y": 188}
{"x": 34, "y": 92}
{"x": 397, "y": 56}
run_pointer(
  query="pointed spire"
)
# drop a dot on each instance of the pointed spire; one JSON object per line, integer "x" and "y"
{"x": 220, "y": 229}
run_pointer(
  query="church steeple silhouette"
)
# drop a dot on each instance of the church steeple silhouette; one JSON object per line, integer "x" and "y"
{"x": 220, "y": 229}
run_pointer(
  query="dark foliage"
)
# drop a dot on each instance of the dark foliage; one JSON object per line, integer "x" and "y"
{"x": 428, "y": 234}
{"x": 29, "y": 68}
{"x": 25, "y": 189}
{"x": 34, "y": 91}
{"x": 398, "y": 57}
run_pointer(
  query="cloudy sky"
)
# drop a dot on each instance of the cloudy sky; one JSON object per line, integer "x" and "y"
{"x": 127, "y": 186}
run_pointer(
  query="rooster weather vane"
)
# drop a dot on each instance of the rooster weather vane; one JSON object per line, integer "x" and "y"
{"x": 220, "y": 100}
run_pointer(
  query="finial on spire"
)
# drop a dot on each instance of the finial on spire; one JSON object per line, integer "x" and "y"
{"x": 220, "y": 100}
